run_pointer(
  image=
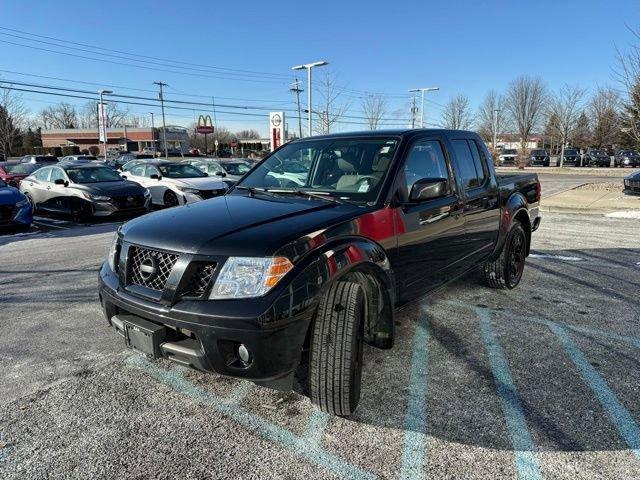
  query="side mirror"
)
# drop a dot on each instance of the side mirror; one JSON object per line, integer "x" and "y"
{"x": 60, "y": 181}
{"x": 124, "y": 176}
{"x": 155, "y": 176}
{"x": 221, "y": 174}
{"x": 428, "y": 188}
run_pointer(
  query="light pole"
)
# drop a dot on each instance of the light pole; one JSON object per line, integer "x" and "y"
{"x": 102, "y": 121}
{"x": 308, "y": 67}
{"x": 422, "y": 90}
{"x": 153, "y": 135}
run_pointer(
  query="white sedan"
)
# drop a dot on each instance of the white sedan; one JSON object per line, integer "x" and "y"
{"x": 173, "y": 183}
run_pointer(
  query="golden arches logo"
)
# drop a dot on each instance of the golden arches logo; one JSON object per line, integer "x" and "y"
{"x": 205, "y": 125}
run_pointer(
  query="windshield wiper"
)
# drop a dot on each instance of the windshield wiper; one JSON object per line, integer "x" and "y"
{"x": 306, "y": 193}
{"x": 253, "y": 190}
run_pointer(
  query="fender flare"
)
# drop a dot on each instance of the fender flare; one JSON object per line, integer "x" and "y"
{"x": 516, "y": 208}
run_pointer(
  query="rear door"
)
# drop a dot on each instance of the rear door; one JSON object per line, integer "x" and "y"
{"x": 37, "y": 185}
{"x": 481, "y": 198}
{"x": 429, "y": 232}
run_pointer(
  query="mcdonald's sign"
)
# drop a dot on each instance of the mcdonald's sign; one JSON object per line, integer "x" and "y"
{"x": 204, "y": 124}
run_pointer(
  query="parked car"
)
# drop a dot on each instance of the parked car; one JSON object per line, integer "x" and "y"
{"x": 13, "y": 173}
{"x": 231, "y": 170}
{"x": 626, "y": 158}
{"x": 632, "y": 184}
{"x": 596, "y": 158}
{"x": 509, "y": 156}
{"x": 571, "y": 157}
{"x": 242, "y": 284}
{"x": 79, "y": 158}
{"x": 539, "y": 157}
{"x": 175, "y": 183}
{"x": 83, "y": 190}
{"x": 118, "y": 162}
{"x": 39, "y": 159}
{"x": 15, "y": 209}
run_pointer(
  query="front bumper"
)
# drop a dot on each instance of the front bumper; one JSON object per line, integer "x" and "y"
{"x": 205, "y": 335}
{"x": 19, "y": 217}
{"x": 107, "y": 209}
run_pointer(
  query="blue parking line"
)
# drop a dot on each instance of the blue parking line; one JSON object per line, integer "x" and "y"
{"x": 274, "y": 433}
{"x": 415, "y": 421}
{"x": 318, "y": 421}
{"x": 619, "y": 415}
{"x": 526, "y": 461}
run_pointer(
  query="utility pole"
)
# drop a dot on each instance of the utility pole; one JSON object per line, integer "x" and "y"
{"x": 422, "y": 90}
{"x": 164, "y": 124}
{"x": 414, "y": 110}
{"x": 153, "y": 134}
{"x": 495, "y": 127}
{"x": 297, "y": 90}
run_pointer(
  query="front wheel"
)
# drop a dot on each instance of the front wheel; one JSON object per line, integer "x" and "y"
{"x": 170, "y": 199}
{"x": 335, "y": 365}
{"x": 506, "y": 271}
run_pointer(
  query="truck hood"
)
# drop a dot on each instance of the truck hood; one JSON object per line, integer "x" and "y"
{"x": 237, "y": 224}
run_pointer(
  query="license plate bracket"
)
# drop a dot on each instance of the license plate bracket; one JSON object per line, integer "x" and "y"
{"x": 143, "y": 336}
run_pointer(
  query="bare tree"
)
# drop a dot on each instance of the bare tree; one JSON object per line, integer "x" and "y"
{"x": 492, "y": 117}
{"x": 13, "y": 116}
{"x": 249, "y": 133}
{"x": 604, "y": 109}
{"x": 524, "y": 102}
{"x": 374, "y": 107}
{"x": 457, "y": 113}
{"x": 566, "y": 107}
{"x": 628, "y": 74}
{"x": 329, "y": 109}
{"x": 62, "y": 115}
{"x": 87, "y": 117}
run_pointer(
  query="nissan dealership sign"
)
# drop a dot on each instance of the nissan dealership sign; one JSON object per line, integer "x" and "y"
{"x": 276, "y": 129}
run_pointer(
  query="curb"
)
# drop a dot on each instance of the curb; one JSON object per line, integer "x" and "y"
{"x": 581, "y": 211}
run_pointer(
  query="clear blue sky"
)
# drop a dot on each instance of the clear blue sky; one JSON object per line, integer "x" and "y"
{"x": 463, "y": 47}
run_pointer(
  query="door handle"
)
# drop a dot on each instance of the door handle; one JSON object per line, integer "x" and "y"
{"x": 48, "y": 188}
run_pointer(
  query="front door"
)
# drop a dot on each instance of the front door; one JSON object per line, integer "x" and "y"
{"x": 429, "y": 232}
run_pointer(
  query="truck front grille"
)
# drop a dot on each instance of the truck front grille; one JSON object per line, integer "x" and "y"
{"x": 200, "y": 279}
{"x": 150, "y": 268}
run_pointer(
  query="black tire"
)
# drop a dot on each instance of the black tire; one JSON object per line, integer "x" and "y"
{"x": 170, "y": 199}
{"x": 335, "y": 364}
{"x": 505, "y": 272}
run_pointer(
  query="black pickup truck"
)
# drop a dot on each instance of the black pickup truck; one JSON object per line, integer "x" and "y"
{"x": 311, "y": 252}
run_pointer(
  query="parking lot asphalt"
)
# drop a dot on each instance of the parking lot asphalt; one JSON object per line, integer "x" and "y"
{"x": 539, "y": 382}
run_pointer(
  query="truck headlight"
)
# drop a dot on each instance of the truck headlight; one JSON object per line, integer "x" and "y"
{"x": 112, "y": 259}
{"x": 245, "y": 277}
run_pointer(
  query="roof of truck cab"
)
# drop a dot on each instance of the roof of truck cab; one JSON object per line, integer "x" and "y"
{"x": 397, "y": 132}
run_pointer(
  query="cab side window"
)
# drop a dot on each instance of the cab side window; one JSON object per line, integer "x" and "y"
{"x": 42, "y": 175}
{"x": 471, "y": 162}
{"x": 425, "y": 160}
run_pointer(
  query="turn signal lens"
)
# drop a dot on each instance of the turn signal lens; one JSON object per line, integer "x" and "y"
{"x": 278, "y": 269}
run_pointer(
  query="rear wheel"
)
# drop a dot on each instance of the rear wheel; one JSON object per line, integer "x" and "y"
{"x": 170, "y": 199}
{"x": 335, "y": 365}
{"x": 506, "y": 271}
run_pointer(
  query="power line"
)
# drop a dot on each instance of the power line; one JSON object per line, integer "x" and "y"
{"x": 171, "y": 61}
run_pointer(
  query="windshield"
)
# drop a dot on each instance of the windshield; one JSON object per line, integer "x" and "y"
{"x": 92, "y": 175}
{"x": 539, "y": 152}
{"x": 598, "y": 152}
{"x": 349, "y": 168}
{"x": 20, "y": 168}
{"x": 570, "y": 152}
{"x": 510, "y": 152}
{"x": 180, "y": 171}
{"x": 235, "y": 168}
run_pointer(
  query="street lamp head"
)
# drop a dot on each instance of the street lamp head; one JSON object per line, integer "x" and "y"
{"x": 305, "y": 66}
{"x": 105, "y": 92}
{"x": 424, "y": 89}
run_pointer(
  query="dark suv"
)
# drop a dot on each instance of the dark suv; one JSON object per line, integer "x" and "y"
{"x": 626, "y": 158}
{"x": 539, "y": 157}
{"x": 244, "y": 283}
{"x": 596, "y": 158}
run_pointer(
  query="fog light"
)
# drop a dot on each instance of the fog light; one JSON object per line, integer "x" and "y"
{"x": 243, "y": 353}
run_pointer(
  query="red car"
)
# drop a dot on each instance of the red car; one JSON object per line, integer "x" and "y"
{"x": 13, "y": 173}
